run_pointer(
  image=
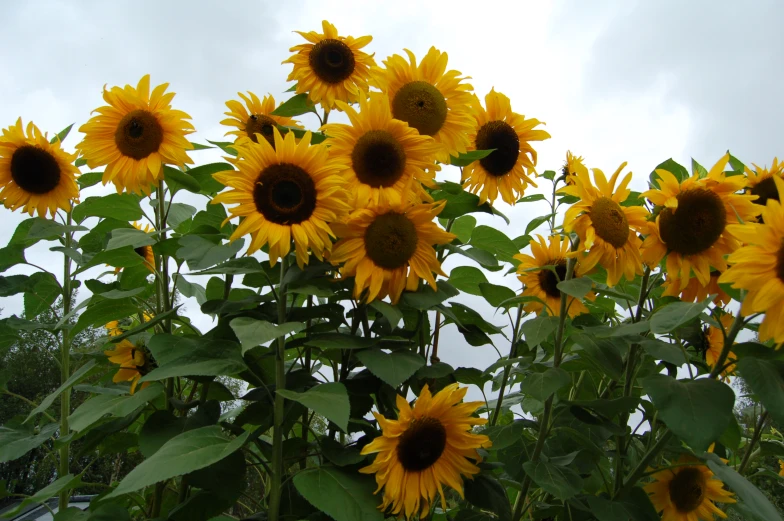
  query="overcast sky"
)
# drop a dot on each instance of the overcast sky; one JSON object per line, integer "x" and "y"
{"x": 614, "y": 80}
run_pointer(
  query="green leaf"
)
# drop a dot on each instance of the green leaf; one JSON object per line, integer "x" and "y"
{"x": 766, "y": 379}
{"x": 240, "y": 266}
{"x": 159, "y": 428}
{"x": 469, "y": 157}
{"x": 736, "y": 164}
{"x": 315, "y": 137}
{"x": 100, "y": 311}
{"x": 124, "y": 257}
{"x": 342, "y": 495}
{"x": 425, "y": 298}
{"x": 295, "y": 106}
{"x": 226, "y": 146}
{"x": 494, "y": 241}
{"x": 541, "y": 385}
{"x": 11, "y": 255}
{"x": 732, "y": 435}
{"x": 109, "y": 404}
{"x": 486, "y": 492}
{"x": 698, "y": 169}
{"x": 203, "y": 174}
{"x": 531, "y": 198}
{"x": 750, "y": 495}
{"x": 460, "y": 203}
{"x": 467, "y": 279}
{"x": 89, "y": 179}
{"x": 44, "y": 290}
{"x": 75, "y": 378}
{"x": 504, "y": 436}
{"x": 200, "y": 253}
{"x": 494, "y": 294}
{"x": 124, "y": 207}
{"x": 16, "y": 440}
{"x": 393, "y": 368}
{"x": 577, "y": 288}
{"x": 697, "y": 411}
{"x": 190, "y": 289}
{"x": 179, "y": 213}
{"x": 604, "y": 352}
{"x": 536, "y": 222}
{"x": 252, "y": 333}
{"x": 671, "y": 166}
{"x": 668, "y": 318}
{"x": 463, "y": 227}
{"x": 635, "y": 507}
{"x": 390, "y": 312}
{"x": 52, "y": 489}
{"x": 340, "y": 341}
{"x": 129, "y": 237}
{"x": 561, "y": 482}
{"x": 193, "y": 356}
{"x": 191, "y": 450}
{"x": 338, "y": 454}
{"x": 537, "y": 330}
{"x": 178, "y": 180}
{"x": 329, "y": 400}
{"x": 659, "y": 350}
{"x": 60, "y": 136}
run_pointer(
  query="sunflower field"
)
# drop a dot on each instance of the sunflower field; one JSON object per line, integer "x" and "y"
{"x": 622, "y": 320}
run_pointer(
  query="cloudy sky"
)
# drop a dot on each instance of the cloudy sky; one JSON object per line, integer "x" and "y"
{"x": 614, "y": 80}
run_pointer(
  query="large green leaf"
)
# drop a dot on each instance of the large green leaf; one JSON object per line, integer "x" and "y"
{"x": 75, "y": 378}
{"x": 200, "y": 253}
{"x": 561, "y": 482}
{"x": 342, "y": 495}
{"x": 193, "y": 356}
{"x": 671, "y": 166}
{"x": 766, "y": 379}
{"x": 52, "y": 489}
{"x": 459, "y": 203}
{"x": 203, "y": 174}
{"x": 466, "y": 158}
{"x": 390, "y": 312}
{"x": 124, "y": 207}
{"x": 537, "y": 330}
{"x": 467, "y": 279}
{"x": 672, "y": 316}
{"x": 634, "y": 507}
{"x": 129, "y": 237}
{"x": 394, "y": 368}
{"x": 44, "y": 290}
{"x": 295, "y": 106}
{"x": 425, "y": 298}
{"x": 112, "y": 405}
{"x": 698, "y": 411}
{"x": 603, "y": 352}
{"x": 577, "y": 288}
{"x": 100, "y": 311}
{"x": 758, "y": 505}
{"x": 541, "y": 385}
{"x": 329, "y": 400}
{"x": 484, "y": 491}
{"x": 663, "y": 351}
{"x": 463, "y": 226}
{"x": 252, "y": 333}
{"x": 494, "y": 294}
{"x": 178, "y": 180}
{"x": 17, "y": 439}
{"x": 493, "y": 241}
{"x": 191, "y": 450}
{"x": 11, "y": 255}
{"x": 340, "y": 341}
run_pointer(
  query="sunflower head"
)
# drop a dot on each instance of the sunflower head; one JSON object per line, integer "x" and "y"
{"x": 761, "y": 183}
{"x": 331, "y": 68}
{"x": 255, "y": 118}
{"x": 35, "y": 175}
{"x": 508, "y": 168}
{"x": 287, "y": 191}
{"x": 573, "y": 165}
{"x": 429, "y": 445}
{"x": 696, "y": 292}
{"x": 781, "y": 468}
{"x": 390, "y": 249}
{"x": 714, "y": 344}
{"x": 134, "y": 135}
{"x": 134, "y": 362}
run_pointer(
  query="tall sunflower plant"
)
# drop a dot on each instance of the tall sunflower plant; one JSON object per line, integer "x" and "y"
{"x": 288, "y": 331}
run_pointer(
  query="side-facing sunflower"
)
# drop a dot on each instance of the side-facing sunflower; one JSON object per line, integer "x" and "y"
{"x": 696, "y": 292}
{"x": 381, "y": 158}
{"x": 145, "y": 252}
{"x": 607, "y": 230}
{"x": 714, "y": 344}
{"x": 541, "y": 272}
{"x": 331, "y": 67}
{"x": 390, "y": 249}
{"x": 691, "y": 227}
{"x": 508, "y": 168}
{"x": 429, "y": 445}
{"x": 781, "y": 468}
{"x": 688, "y": 492}
{"x": 429, "y": 98}
{"x": 287, "y": 191}
{"x": 759, "y": 267}
{"x": 760, "y": 181}
{"x": 572, "y": 166}
{"x": 34, "y": 174}
{"x": 133, "y": 362}
{"x": 135, "y": 135}
{"x": 256, "y": 119}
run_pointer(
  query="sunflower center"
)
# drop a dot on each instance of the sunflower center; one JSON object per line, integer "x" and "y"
{"x": 687, "y": 489}
{"x": 765, "y": 189}
{"x": 139, "y": 134}
{"x": 260, "y": 124}
{"x": 391, "y": 240}
{"x": 422, "y": 444}
{"x": 141, "y": 251}
{"x": 331, "y": 60}
{"x": 503, "y": 138}
{"x": 422, "y": 106}
{"x": 378, "y": 159}
{"x": 285, "y": 194}
{"x": 696, "y": 224}
{"x": 610, "y": 222}
{"x": 549, "y": 280}
{"x": 34, "y": 169}
{"x": 780, "y": 262}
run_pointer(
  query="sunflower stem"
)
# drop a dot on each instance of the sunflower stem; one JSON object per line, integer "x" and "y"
{"x": 641, "y": 467}
{"x": 280, "y": 383}
{"x": 754, "y": 440}
{"x": 729, "y": 340}
{"x": 65, "y": 370}
{"x": 305, "y": 418}
{"x": 508, "y": 368}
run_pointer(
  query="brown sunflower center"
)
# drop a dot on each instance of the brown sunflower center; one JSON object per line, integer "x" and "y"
{"x": 503, "y": 138}
{"x": 34, "y": 169}
{"x": 422, "y": 444}
{"x": 331, "y": 60}
{"x": 687, "y": 489}
{"x": 285, "y": 194}
{"x": 780, "y": 262}
{"x": 391, "y": 240}
{"x": 422, "y": 106}
{"x": 139, "y": 134}
{"x": 696, "y": 224}
{"x": 610, "y": 222}
{"x": 260, "y": 124}
{"x": 378, "y": 159}
{"x": 765, "y": 189}
{"x": 549, "y": 280}
{"x": 142, "y": 251}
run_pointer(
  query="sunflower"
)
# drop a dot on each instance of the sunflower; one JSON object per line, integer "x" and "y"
{"x": 34, "y": 174}
{"x": 429, "y": 98}
{"x": 135, "y": 135}
{"x": 114, "y": 328}
{"x": 606, "y": 229}
{"x": 542, "y": 282}
{"x": 133, "y": 363}
{"x": 574, "y": 165}
{"x": 508, "y": 167}
{"x": 761, "y": 181}
{"x": 714, "y": 344}
{"x": 688, "y": 492}
{"x": 145, "y": 252}
{"x": 331, "y": 67}
{"x": 759, "y": 268}
{"x": 691, "y": 227}
{"x": 696, "y": 292}
{"x": 284, "y": 192}
{"x": 379, "y": 156}
{"x": 781, "y": 468}
{"x": 390, "y": 249}
{"x": 428, "y": 446}
{"x": 256, "y": 119}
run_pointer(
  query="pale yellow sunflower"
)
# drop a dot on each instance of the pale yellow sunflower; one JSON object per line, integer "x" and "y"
{"x": 759, "y": 267}
{"x": 331, "y": 68}
{"x": 429, "y": 98}
{"x": 388, "y": 250}
{"x": 381, "y": 158}
{"x": 428, "y": 446}
{"x": 256, "y": 119}
{"x": 541, "y": 272}
{"x": 760, "y": 181}
{"x": 133, "y": 363}
{"x": 696, "y": 292}
{"x": 691, "y": 227}
{"x": 508, "y": 168}
{"x": 287, "y": 191}
{"x": 688, "y": 492}
{"x": 607, "y": 230}
{"x": 574, "y": 164}
{"x": 714, "y": 345}
{"x": 135, "y": 135}
{"x": 35, "y": 175}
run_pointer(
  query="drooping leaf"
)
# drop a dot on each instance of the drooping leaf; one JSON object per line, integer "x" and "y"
{"x": 394, "y": 368}
{"x": 43, "y": 291}
{"x": 328, "y": 399}
{"x": 463, "y": 227}
{"x": 758, "y": 505}
{"x": 193, "y": 356}
{"x": 672, "y": 316}
{"x": 604, "y": 352}
{"x": 200, "y": 253}
{"x": 486, "y": 492}
{"x": 129, "y": 237}
{"x": 252, "y": 333}
{"x": 494, "y": 241}
{"x": 425, "y": 298}
{"x": 340, "y": 341}
{"x": 295, "y": 106}
{"x": 342, "y": 495}
{"x": 494, "y": 294}
{"x": 577, "y": 288}
{"x": 112, "y": 405}
{"x": 467, "y": 279}
{"x": 469, "y": 157}
{"x": 541, "y": 385}
{"x": 100, "y": 311}
{"x": 766, "y": 379}
{"x": 17, "y": 439}
{"x": 537, "y": 330}
{"x": 124, "y": 207}
{"x": 52, "y": 489}
{"x": 561, "y": 482}
{"x": 75, "y": 378}
{"x": 178, "y": 180}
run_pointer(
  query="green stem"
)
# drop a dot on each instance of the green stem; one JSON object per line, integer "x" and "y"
{"x": 641, "y": 467}
{"x": 754, "y": 439}
{"x": 508, "y": 368}
{"x": 280, "y": 383}
{"x": 305, "y": 419}
{"x": 65, "y": 370}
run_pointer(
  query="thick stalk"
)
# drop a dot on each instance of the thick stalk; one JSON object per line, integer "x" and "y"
{"x": 65, "y": 370}
{"x": 280, "y": 383}
{"x": 754, "y": 440}
{"x": 508, "y": 368}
